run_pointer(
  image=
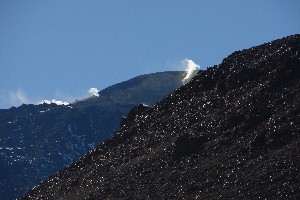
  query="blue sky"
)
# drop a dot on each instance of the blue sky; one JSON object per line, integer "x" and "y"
{"x": 59, "y": 49}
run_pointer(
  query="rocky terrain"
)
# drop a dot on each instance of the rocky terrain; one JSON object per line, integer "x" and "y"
{"x": 233, "y": 132}
{"x": 36, "y": 141}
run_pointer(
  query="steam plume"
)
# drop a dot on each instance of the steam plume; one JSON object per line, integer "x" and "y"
{"x": 191, "y": 69}
{"x": 18, "y": 97}
{"x": 94, "y": 92}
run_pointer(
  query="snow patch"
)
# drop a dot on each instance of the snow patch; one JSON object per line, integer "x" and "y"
{"x": 70, "y": 129}
{"x": 92, "y": 145}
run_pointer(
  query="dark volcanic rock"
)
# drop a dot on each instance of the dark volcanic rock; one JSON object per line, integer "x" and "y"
{"x": 232, "y": 132}
{"x": 186, "y": 145}
{"x": 133, "y": 114}
{"x": 36, "y": 141}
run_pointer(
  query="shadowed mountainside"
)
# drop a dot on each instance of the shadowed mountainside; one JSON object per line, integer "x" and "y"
{"x": 232, "y": 132}
{"x": 36, "y": 141}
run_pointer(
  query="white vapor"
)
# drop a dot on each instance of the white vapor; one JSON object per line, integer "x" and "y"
{"x": 18, "y": 97}
{"x": 94, "y": 92}
{"x": 54, "y": 101}
{"x": 191, "y": 69}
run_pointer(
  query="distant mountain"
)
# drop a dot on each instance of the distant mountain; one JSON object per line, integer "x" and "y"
{"x": 233, "y": 132}
{"x": 36, "y": 141}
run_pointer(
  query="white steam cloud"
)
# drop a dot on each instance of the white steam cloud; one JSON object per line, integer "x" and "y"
{"x": 54, "y": 101}
{"x": 94, "y": 92}
{"x": 191, "y": 69}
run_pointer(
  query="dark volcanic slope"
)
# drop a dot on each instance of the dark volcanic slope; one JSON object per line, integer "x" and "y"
{"x": 232, "y": 132}
{"x": 36, "y": 141}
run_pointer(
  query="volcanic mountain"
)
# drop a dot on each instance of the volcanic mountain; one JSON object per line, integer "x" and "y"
{"x": 232, "y": 132}
{"x": 36, "y": 141}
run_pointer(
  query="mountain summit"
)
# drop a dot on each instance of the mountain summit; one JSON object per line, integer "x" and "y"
{"x": 232, "y": 132}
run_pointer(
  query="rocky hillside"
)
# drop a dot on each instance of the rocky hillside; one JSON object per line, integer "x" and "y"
{"x": 36, "y": 141}
{"x": 232, "y": 132}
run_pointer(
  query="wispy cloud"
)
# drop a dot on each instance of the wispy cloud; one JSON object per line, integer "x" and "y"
{"x": 18, "y": 97}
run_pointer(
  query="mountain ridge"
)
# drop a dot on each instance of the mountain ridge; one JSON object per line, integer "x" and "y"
{"x": 232, "y": 132}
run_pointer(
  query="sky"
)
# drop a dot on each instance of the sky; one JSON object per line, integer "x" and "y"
{"x": 54, "y": 49}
